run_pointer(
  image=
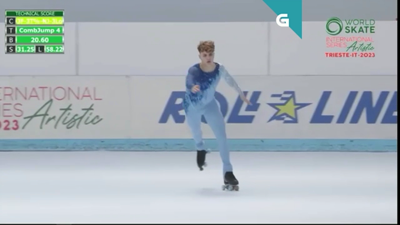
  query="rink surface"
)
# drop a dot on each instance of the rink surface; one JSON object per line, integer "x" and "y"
{"x": 134, "y": 187}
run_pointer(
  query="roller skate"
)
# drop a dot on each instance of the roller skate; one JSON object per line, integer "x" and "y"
{"x": 230, "y": 182}
{"x": 201, "y": 159}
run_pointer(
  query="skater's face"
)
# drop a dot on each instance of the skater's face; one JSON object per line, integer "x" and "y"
{"x": 206, "y": 57}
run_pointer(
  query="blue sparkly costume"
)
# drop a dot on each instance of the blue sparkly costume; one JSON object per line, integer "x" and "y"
{"x": 204, "y": 103}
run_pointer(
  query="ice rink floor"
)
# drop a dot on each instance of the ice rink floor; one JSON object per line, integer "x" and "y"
{"x": 134, "y": 187}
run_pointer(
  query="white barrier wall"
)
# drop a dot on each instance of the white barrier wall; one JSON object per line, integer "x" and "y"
{"x": 148, "y": 107}
{"x": 120, "y": 86}
{"x": 168, "y": 49}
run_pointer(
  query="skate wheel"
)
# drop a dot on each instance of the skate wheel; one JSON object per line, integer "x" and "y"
{"x": 230, "y": 187}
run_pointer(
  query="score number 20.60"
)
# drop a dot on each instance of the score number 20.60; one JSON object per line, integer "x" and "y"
{"x": 39, "y": 40}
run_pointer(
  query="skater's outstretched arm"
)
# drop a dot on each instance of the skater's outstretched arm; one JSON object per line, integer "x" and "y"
{"x": 232, "y": 83}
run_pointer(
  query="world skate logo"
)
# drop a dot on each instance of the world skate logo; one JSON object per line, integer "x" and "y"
{"x": 286, "y": 110}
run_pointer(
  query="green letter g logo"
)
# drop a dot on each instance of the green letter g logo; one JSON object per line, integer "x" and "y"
{"x": 336, "y": 21}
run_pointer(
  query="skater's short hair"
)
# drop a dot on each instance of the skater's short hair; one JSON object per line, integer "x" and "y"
{"x": 206, "y": 46}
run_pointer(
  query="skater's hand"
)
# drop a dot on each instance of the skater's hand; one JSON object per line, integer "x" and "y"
{"x": 245, "y": 100}
{"x": 195, "y": 88}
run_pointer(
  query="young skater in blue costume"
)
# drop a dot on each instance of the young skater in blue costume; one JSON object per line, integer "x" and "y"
{"x": 201, "y": 83}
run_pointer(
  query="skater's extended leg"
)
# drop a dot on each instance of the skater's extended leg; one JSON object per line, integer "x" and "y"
{"x": 215, "y": 120}
{"x": 193, "y": 119}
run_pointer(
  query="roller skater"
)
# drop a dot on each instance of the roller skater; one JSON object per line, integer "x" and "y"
{"x": 201, "y": 82}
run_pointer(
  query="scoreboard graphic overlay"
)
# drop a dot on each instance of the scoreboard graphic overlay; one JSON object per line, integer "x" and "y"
{"x": 34, "y": 32}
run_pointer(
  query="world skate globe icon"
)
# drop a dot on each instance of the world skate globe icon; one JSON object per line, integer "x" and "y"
{"x": 334, "y": 21}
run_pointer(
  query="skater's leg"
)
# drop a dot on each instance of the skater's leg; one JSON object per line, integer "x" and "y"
{"x": 193, "y": 119}
{"x": 215, "y": 120}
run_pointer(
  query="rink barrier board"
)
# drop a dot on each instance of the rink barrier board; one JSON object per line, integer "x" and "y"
{"x": 173, "y": 145}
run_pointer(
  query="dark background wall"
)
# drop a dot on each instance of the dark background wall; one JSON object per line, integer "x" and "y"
{"x": 203, "y": 10}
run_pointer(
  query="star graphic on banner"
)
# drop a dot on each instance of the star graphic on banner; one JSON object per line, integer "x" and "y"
{"x": 286, "y": 111}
